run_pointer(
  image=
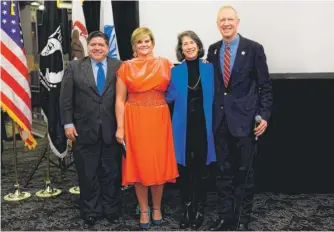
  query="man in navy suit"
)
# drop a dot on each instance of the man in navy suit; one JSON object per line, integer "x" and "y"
{"x": 243, "y": 90}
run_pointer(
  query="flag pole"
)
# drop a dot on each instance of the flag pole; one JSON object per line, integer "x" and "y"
{"x": 17, "y": 195}
{"x": 49, "y": 191}
{"x": 77, "y": 17}
{"x": 74, "y": 189}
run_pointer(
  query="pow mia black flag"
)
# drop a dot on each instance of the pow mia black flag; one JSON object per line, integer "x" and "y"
{"x": 51, "y": 70}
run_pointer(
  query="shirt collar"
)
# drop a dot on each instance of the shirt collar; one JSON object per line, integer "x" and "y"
{"x": 94, "y": 63}
{"x": 233, "y": 42}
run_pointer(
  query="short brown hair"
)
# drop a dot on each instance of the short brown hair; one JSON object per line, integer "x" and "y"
{"x": 139, "y": 33}
{"x": 194, "y": 37}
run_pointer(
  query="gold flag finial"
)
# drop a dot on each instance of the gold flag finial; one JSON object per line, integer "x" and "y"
{"x": 12, "y": 8}
{"x": 58, "y": 3}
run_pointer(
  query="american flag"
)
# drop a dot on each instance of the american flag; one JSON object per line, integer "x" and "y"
{"x": 15, "y": 89}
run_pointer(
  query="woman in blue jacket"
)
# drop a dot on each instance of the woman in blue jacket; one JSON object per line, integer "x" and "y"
{"x": 192, "y": 89}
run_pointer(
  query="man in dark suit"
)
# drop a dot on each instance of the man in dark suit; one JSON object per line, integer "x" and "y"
{"x": 243, "y": 90}
{"x": 87, "y": 104}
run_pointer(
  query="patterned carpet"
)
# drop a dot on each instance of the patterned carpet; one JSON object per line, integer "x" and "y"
{"x": 272, "y": 211}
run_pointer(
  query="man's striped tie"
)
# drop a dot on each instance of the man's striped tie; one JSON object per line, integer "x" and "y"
{"x": 227, "y": 60}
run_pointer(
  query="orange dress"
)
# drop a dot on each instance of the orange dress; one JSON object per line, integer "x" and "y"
{"x": 150, "y": 157}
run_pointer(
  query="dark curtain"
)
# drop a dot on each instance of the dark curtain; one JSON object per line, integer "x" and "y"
{"x": 126, "y": 19}
{"x": 296, "y": 154}
{"x": 66, "y": 30}
{"x": 92, "y": 15}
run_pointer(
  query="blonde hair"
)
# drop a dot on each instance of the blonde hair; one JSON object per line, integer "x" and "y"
{"x": 138, "y": 34}
{"x": 228, "y": 7}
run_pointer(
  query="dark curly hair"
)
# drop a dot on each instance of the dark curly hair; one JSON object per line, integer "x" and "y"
{"x": 194, "y": 37}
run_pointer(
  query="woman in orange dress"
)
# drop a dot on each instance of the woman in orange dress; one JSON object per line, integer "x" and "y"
{"x": 144, "y": 124}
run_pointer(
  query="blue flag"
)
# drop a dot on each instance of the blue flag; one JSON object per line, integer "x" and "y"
{"x": 108, "y": 27}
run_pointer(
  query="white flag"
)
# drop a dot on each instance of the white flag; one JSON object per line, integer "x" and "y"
{"x": 107, "y": 26}
{"x": 79, "y": 31}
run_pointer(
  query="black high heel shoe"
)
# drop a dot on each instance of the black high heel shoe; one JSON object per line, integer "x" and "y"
{"x": 199, "y": 217}
{"x": 186, "y": 216}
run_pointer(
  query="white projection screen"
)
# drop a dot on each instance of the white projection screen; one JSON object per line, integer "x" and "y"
{"x": 298, "y": 36}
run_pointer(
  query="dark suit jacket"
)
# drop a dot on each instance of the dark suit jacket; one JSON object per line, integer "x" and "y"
{"x": 82, "y": 105}
{"x": 249, "y": 92}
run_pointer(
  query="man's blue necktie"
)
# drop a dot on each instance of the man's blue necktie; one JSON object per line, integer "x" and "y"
{"x": 101, "y": 78}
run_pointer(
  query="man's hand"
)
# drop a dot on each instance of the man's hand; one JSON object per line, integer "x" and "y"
{"x": 71, "y": 133}
{"x": 261, "y": 128}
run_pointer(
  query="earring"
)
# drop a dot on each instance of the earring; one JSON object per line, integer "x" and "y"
{"x": 135, "y": 54}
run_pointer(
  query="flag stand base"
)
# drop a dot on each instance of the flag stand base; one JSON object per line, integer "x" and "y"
{"x": 17, "y": 195}
{"x": 48, "y": 191}
{"x": 75, "y": 190}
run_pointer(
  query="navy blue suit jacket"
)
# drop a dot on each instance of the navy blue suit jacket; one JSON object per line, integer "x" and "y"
{"x": 249, "y": 92}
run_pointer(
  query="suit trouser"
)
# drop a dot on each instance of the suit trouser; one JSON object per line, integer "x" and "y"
{"x": 234, "y": 156}
{"x": 98, "y": 167}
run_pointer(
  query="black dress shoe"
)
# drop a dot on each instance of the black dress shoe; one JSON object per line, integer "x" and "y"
{"x": 222, "y": 225}
{"x": 113, "y": 218}
{"x": 89, "y": 222}
{"x": 243, "y": 227}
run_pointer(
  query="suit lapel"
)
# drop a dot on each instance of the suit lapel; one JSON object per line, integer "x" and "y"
{"x": 86, "y": 66}
{"x": 216, "y": 65}
{"x": 239, "y": 62}
{"x": 216, "y": 55}
{"x": 109, "y": 76}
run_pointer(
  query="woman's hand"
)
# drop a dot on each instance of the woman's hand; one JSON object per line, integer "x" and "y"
{"x": 120, "y": 135}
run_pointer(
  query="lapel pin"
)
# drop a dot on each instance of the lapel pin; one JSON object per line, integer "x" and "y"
{"x": 243, "y": 53}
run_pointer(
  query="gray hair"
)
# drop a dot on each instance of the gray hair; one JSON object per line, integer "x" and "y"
{"x": 228, "y": 7}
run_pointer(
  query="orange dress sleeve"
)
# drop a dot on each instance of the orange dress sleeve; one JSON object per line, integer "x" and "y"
{"x": 121, "y": 72}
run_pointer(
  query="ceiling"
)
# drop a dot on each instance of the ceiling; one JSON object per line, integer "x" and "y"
{"x": 63, "y": 3}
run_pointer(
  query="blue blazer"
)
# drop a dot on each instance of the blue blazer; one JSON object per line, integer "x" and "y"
{"x": 178, "y": 93}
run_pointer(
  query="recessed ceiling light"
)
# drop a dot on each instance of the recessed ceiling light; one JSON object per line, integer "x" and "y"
{"x": 34, "y": 4}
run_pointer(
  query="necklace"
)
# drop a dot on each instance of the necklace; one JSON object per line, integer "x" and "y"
{"x": 195, "y": 86}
